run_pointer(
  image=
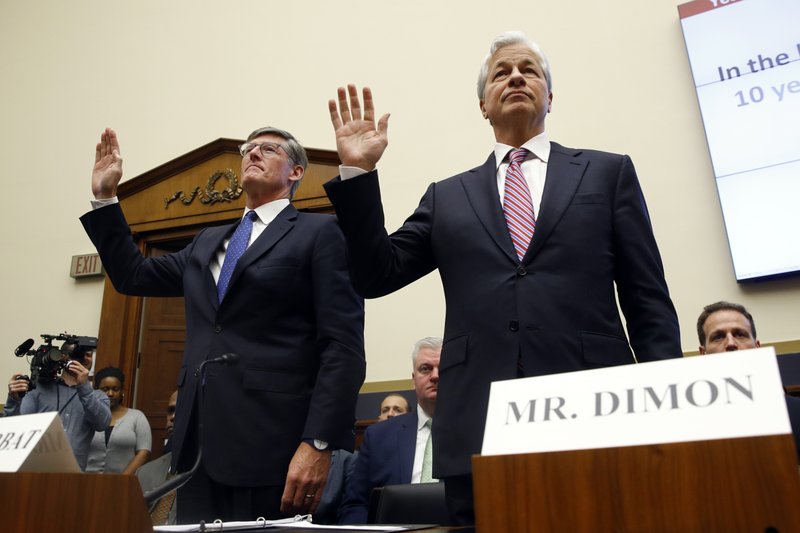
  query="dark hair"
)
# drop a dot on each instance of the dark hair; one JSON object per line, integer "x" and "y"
{"x": 109, "y": 372}
{"x": 722, "y": 306}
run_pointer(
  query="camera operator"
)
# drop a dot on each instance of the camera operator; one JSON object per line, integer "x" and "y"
{"x": 82, "y": 409}
{"x": 17, "y": 387}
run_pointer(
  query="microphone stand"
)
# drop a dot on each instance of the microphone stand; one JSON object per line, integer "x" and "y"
{"x": 153, "y": 495}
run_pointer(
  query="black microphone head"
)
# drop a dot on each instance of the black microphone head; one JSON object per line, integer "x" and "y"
{"x": 230, "y": 358}
{"x": 23, "y": 348}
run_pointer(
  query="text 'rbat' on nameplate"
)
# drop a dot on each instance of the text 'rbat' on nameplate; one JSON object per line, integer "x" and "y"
{"x": 728, "y": 395}
{"x": 35, "y": 443}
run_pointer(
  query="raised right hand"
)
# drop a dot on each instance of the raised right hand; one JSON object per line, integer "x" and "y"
{"x": 359, "y": 141}
{"x": 107, "y": 169}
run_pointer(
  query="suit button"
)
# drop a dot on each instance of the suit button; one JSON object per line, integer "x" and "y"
{"x": 513, "y": 325}
{"x": 217, "y": 329}
{"x": 521, "y": 271}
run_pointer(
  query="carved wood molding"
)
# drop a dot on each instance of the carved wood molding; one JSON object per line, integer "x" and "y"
{"x": 209, "y": 194}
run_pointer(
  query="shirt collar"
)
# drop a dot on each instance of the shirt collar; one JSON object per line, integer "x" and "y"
{"x": 539, "y": 146}
{"x": 268, "y": 211}
{"x": 422, "y": 417}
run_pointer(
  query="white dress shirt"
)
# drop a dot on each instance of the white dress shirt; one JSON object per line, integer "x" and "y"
{"x": 422, "y": 439}
{"x": 534, "y": 168}
{"x": 266, "y": 214}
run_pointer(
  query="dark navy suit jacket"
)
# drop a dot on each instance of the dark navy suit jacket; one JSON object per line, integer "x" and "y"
{"x": 292, "y": 316}
{"x": 555, "y": 311}
{"x": 793, "y": 407}
{"x": 385, "y": 457}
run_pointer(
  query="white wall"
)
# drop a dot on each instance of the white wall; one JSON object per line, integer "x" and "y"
{"x": 171, "y": 76}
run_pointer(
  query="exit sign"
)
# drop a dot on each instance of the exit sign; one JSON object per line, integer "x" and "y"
{"x": 85, "y": 266}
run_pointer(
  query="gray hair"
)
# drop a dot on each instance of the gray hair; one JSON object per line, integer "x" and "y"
{"x": 433, "y": 343}
{"x": 507, "y": 39}
{"x": 293, "y": 148}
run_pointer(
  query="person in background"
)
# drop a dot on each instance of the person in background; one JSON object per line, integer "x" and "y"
{"x": 391, "y": 406}
{"x": 17, "y": 387}
{"x": 172, "y": 404}
{"x": 125, "y": 444}
{"x": 729, "y": 327}
{"x": 342, "y": 463}
{"x": 157, "y": 471}
{"x": 400, "y": 449}
{"x": 68, "y": 392}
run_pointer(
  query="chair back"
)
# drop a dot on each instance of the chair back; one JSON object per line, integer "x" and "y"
{"x": 418, "y": 503}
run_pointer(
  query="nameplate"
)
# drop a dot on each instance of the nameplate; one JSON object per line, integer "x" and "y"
{"x": 35, "y": 443}
{"x": 729, "y": 395}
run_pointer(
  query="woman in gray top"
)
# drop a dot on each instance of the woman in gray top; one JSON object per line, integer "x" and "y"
{"x": 126, "y": 444}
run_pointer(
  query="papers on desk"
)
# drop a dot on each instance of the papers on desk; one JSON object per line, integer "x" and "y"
{"x": 299, "y": 521}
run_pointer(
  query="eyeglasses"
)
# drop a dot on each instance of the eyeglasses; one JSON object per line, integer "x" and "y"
{"x": 268, "y": 149}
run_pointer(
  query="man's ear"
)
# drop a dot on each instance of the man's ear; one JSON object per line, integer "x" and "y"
{"x": 702, "y": 350}
{"x": 297, "y": 173}
{"x": 483, "y": 108}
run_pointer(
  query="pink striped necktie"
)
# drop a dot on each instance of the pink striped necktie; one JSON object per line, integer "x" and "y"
{"x": 517, "y": 204}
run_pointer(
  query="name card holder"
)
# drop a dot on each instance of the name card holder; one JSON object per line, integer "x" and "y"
{"x": 45, "y": 491}
{"x": 695, "y": 444}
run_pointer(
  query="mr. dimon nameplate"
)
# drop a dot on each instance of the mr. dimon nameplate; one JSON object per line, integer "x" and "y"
{"x": 735, "y": 394}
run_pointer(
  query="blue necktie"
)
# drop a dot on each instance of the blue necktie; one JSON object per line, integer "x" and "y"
{"x": 236, "y": 247}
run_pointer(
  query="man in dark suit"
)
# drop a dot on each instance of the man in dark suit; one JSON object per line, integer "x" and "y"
{"x": 286, "y": 307}
{"x": 394, "y": 450}
{"x": 729, "y": 327}
{"x": 530, "y": 247}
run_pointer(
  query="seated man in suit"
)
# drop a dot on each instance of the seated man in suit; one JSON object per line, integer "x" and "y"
{"x": 171, "y": 406}
{"x": 342, "y": 463}
{"x": 392, "y": 406}
{"x": 729, "y": 327}
{"x": 395, "y": 451}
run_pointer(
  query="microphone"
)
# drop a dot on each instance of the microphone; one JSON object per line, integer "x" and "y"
{"x": 174, "y": 483}
{"x": 224, "y": 359}
{"x": 23, "y": 348}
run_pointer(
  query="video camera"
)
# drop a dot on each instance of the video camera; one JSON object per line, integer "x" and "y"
{"x": 47, "y": 361}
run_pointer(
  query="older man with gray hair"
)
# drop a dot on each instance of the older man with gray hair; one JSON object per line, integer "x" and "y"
{"x": 272, "y": 288}
{"x": 400, "y": 449}
{"x": 534, "y": 248}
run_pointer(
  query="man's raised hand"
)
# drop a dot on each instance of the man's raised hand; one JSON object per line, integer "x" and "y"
{"x": 107, "y": 169}
{"x": 359, "y": 140}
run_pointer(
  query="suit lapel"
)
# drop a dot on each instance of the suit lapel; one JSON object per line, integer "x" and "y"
{"x": 480, "y": 185}
{"x": 211, "y": 243}
{"x": 407, "y": 442}
{"x": 564, "y": 172}
{"x": 272, "y": 234}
